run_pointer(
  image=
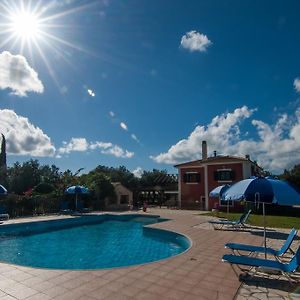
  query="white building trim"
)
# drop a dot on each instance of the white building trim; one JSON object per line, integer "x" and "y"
{"x": 179, "y": 188}
{"x": 206, "y": 186}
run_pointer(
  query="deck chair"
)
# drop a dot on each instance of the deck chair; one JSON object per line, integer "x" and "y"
{"x": 266, "y": 265}
{"x": 81, "y": 208}
{"x": 254, "y": 249}
{"x": 3, "y": 213}
{"x": 64, "y": 208}
{"x": 235, "y": 224}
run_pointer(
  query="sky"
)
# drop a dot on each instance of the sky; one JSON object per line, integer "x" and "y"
{"x": 141, "y": 83}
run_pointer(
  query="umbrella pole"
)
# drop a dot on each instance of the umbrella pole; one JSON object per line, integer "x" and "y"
{"x": 76, "y": 201}
{"x": 265, "y": 239}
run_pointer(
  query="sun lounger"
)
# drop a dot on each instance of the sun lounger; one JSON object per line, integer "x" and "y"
{"x": 3, "y": 213}
{"x": 252, "y": 249}
{"x": 81, "y": 208}
{"x": 266, "y": 265}
{"x": 64, "y": 208}
{"x": 235, "y": 224}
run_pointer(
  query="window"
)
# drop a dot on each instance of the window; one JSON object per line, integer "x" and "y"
{"x": 224, "y": 175}
{"x": 191, "y": 177}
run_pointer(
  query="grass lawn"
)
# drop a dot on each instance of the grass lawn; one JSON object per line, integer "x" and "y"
{"x": 257, "y": 220}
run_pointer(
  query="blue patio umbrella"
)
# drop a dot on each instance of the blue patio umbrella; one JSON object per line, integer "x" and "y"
{"x": 265, "y": 190}
{"x": 77, "y": 189}
{"x": 3, "y": 190}
{"x": 218, "y": 192}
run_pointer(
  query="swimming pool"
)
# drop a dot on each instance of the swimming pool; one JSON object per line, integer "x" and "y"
{"x": 89, "y": 242}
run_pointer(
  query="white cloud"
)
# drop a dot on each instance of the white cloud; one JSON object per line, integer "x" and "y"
{"x": 297, "y": 84}
{"x": 118, "y": 152}
{"x": 75, "y": 145}
{"x": 138, "y": 172}
{"x": 22, "y": 137}
{"x": 195, "y": 41}
{"x": 112, "y": 114}
{"x": 218, "y": 133}
{"x": 134, "y": 137}
{"x": 17, "y": 75}
{"x": 101, "y": 145}
{"x": 123, "y": 126}
{"x": 91, "y": 93}
{"x": 277, "y": 147}
{"x": 82, "y": 145}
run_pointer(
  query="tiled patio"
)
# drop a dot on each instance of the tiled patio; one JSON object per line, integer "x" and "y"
{"x": 197, "y": 274}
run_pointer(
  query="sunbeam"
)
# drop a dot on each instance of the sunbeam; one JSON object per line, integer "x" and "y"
{"x": 36, "y": 28}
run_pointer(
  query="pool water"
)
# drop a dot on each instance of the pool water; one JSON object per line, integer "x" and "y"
{"x": 106, "y": 244}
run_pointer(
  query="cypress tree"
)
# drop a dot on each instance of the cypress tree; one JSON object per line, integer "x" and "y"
{"x": 3, "y": 166}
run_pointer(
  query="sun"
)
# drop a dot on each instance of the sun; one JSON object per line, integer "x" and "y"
{"x": 25, "y": 25}
{"x": 40, "y": 28}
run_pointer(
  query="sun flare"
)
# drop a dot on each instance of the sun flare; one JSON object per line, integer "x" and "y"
{"x": 32, "y": 28}
{"x": 25, "y": 25}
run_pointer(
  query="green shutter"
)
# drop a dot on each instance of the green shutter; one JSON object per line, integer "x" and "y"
{"x": 216, "y": 175}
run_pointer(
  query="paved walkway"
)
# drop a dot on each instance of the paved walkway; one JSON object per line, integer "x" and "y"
{"x": 198, "y": 273}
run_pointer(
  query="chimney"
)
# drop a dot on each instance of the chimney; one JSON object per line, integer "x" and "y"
{"x": 204, "y": 150}
{"x": 215, "y": 153}
{"x": 247, "y": 156}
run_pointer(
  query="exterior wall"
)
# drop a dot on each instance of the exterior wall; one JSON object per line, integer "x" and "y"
{"x": 120, "y": 191}
{"x": 191, "y": 193}
{"x": 212, "y": 183}
{"x": 196, "y": 195}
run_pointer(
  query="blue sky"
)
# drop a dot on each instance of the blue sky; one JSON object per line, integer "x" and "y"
{"x": 142, "y": 83}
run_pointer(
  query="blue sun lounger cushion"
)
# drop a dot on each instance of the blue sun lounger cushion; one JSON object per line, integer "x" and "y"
{"x": 250, "y": 248}
{"x": 3, "y": 213}
{"x": 238, "y": 223}
{"x": 286, "y": 269}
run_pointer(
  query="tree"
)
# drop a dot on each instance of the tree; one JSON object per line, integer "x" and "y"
{"x": 101, "y": 186}
{"x": 43, "y": 188}
{"x": 3, "y": 166}
{"x": 152, "y": 178}
{"x": 293, "y": 175}
{"x": 24, "y": 177}
{"x": 120, "y": 174}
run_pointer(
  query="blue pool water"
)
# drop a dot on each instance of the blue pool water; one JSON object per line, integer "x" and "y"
{"x": 88, "y": 243}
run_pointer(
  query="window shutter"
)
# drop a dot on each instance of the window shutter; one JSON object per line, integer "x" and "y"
{"x": 232, "y": 175}
{"x": 216, "y": 176}
{"x": 185, "y": 177}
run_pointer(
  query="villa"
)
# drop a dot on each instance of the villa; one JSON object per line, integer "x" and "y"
{"x": 197, "y": 178}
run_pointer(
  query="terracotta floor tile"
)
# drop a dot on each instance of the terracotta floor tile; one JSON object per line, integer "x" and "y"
{"x": 20, "y": 292}
{"x": 101, "y": 293}
{"x": 42, "y": 286}
{"x": 174, "y": 294}
{"x": 39, "y": 296}
{"x": 204, "y": 293}
{"x": 157, "y": 289}
{"x": 117, "y": 296}
{"x": 32, "y": 281}
{"x": 131, "y": 291}
{"x": 144, "y": 295}
{"x": 7, "y": 297}
{"x": 55, "y": 291}
{"x": 197, "y": 274}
